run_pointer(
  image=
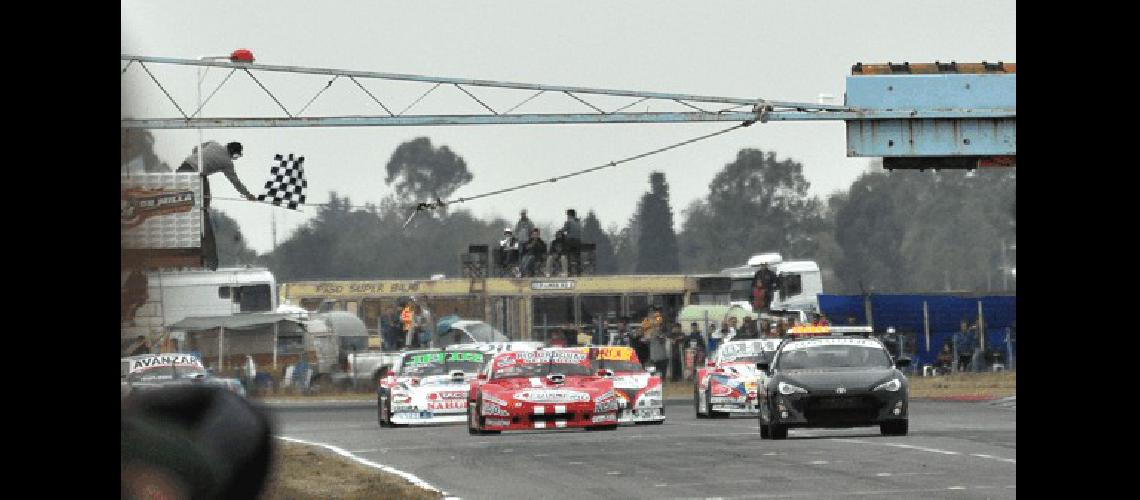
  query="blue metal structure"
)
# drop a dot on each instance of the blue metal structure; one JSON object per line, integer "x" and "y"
{"x": 891, "y": 113}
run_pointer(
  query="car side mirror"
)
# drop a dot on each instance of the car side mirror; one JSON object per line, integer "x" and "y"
{"x": 651, "y": 369}
{"x": 902, "y": 362}
{"x": 605, "y": 372}
{"x": 762, "y": 366}
{"x": 457, "y": 374}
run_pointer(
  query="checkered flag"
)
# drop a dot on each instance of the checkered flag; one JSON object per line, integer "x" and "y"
{"x": 287, "y": 184}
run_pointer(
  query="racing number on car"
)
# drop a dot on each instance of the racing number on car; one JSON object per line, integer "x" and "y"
{"x": 615, "y": 354}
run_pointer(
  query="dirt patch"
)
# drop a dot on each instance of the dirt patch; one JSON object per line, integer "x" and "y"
{"x": 979, "y": 386}
{"x": 302, "y": 471}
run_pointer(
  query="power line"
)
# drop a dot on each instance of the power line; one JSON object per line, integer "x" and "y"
{"x": 441, "y": 203}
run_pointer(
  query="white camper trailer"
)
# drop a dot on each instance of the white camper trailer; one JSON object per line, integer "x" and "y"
{"x": 800, "y": 282}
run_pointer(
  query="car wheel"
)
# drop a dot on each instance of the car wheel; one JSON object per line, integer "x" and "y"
{"x": 708, "y": 404}
{"x": 697, "y": 403}
{"x": 764, "y": 432}
{"x": 382, "y": 415}
{"x": 895, "y": 427}
{"x": 472, "y": 419}
{"x": 475, "y": 419}
{"x": 777, "y": 431}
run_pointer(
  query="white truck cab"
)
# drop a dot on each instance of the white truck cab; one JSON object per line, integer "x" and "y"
{"x": 800, "y": 286}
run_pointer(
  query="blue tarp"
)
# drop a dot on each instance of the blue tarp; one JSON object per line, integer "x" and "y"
{"x": 946, "y": 312}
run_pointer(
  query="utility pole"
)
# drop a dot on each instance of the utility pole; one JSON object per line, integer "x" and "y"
{"x": 1004, "y": 268}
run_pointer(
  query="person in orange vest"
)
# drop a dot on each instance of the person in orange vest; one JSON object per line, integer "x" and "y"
{"x": 407, "y": 322}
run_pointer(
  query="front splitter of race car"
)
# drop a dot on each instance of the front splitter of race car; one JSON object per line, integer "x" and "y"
{"x": 852, "y": 410}
{"x": 527, "y": 416}
{"x": 726, "y": 404}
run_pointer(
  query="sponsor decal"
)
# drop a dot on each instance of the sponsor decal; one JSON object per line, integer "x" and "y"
{"x": 552, "y": 396}
{"x": 487, "y": 398}
{"x": 497, "y": 422}
{"x": 604, "y": 417}
{"x": 441, "y": 357}
{"x": 631, "y": 381}
{"x": 841, "y": 390}
{"x": 493, "y": 409}
{"x": 161, "y": 360}
{"x": 573, "y": 356}
{"x": 447, "y": 405}
{"x": 804, "y": 344}
{"x": 136, "y": 205}
{"x": 724, "y": 399}
{"x": 403, "y": 408}
{"x": 552, "y": 285}
{"x": 615, "y": 354}
{"x": 448, "y": 395}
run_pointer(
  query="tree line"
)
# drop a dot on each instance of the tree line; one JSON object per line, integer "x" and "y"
{"x": 889, "y": 231}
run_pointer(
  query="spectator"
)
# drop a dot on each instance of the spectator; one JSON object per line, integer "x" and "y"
{"x": 658, "y": 352}
{"x": 697, "y": 342}
{"x": 554, "y": 264}
{"x": 217, "y": 158}
{"x": 822, "y": 320}
{"x": 522, "y": 229}
{"x": 677, "y": 344}
{"x": 621, "y": 336}
{"x": 407, "y": 324}
{"x": 768, "y": 282}
{"x": 424, "y": 327}
{"x": 509, "y": 251}
{"x": 535, "y": 252}
{"x": 945, "y": 360}
{"x": 601, "y": 336}
{"x": 557, "y": 339}
{"x": 573, "y": 230}
{"x": 965, "y": 341}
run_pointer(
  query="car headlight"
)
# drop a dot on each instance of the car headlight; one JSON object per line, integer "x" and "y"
{"x": 788, "y": 389}
{"x": 891, "y": 385}
{"x": 401, "y": 397}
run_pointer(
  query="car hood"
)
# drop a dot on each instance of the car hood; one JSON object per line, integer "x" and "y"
{"x": 863, "y": 378}
{"x": 539, "y": 389}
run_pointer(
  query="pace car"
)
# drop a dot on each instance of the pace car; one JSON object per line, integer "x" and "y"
{"x": 833, "y": 382}
{"x": 430, "y": 387}
{"x": 638, "y": 391}
{"x": 730, "y": 382}
{"x": 544, "y": 389}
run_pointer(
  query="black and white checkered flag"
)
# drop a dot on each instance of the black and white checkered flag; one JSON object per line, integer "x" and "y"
{"x": 287, "y": 184}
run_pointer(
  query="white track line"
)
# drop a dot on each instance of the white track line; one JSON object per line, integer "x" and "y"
{"x": 339, "y": 451}
{"x": 928, "y": 450}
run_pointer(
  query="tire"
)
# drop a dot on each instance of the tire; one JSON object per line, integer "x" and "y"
{"x": 473, "y": 413}
{"x": 697, "y": 404}
{"x": 381, "y": 406}
{"x": 764, "y": 432}
{"x": 708, "y": 404}
{"x": 895, "y": 427}
{"x": 777, "y": 431}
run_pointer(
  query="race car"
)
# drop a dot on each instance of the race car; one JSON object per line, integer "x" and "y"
{"x": 638, "y": 391}
{"x": 543, "y": 389}
{"x": 730, "y": 383}
{"x": 430, "y": 387}
{"x": 153, "y": 371}
{"x": 838, "y": 381}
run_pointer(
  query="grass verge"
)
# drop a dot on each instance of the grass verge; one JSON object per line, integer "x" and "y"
{"x": 301, "y": 471}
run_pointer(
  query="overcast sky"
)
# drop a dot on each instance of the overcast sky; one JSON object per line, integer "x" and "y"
{"x": 790, "y": 51}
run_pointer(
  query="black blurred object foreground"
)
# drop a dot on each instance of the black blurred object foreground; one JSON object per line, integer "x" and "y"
{"x": 193, "y": 442}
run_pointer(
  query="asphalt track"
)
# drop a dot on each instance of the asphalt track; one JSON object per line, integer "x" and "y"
{"x": 954, "y": 450}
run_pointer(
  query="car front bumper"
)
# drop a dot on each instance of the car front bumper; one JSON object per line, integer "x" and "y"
{"x": 830, "y": 410}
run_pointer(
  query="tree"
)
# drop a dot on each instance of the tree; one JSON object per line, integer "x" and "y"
{"x": 657, "y": 241}
{"x": 592, "y": 233}
{"x": 232, "y": 249}
{"x": 756, "y": 203}
{"x": 137, "y": 152}
{"x": 422, "y": 173}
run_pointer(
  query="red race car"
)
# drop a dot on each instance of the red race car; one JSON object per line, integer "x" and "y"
{"x": 544, "y": 389}
{"x": 639, "y": 392}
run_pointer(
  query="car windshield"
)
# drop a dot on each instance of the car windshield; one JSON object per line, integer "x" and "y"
{"x": 833, "y": 356}
{"x": 540, "y": 364}
{"x": 752, "y": 351}
{"x": 617, "y": 359}
{"x": 166, "y": 373}
{"x": 441, "y": 363}
{"x": 483, "y": 332}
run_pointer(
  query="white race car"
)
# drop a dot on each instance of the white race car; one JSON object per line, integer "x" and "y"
{"x": 429, "y": 388}
{"x": 730, "y": 383}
